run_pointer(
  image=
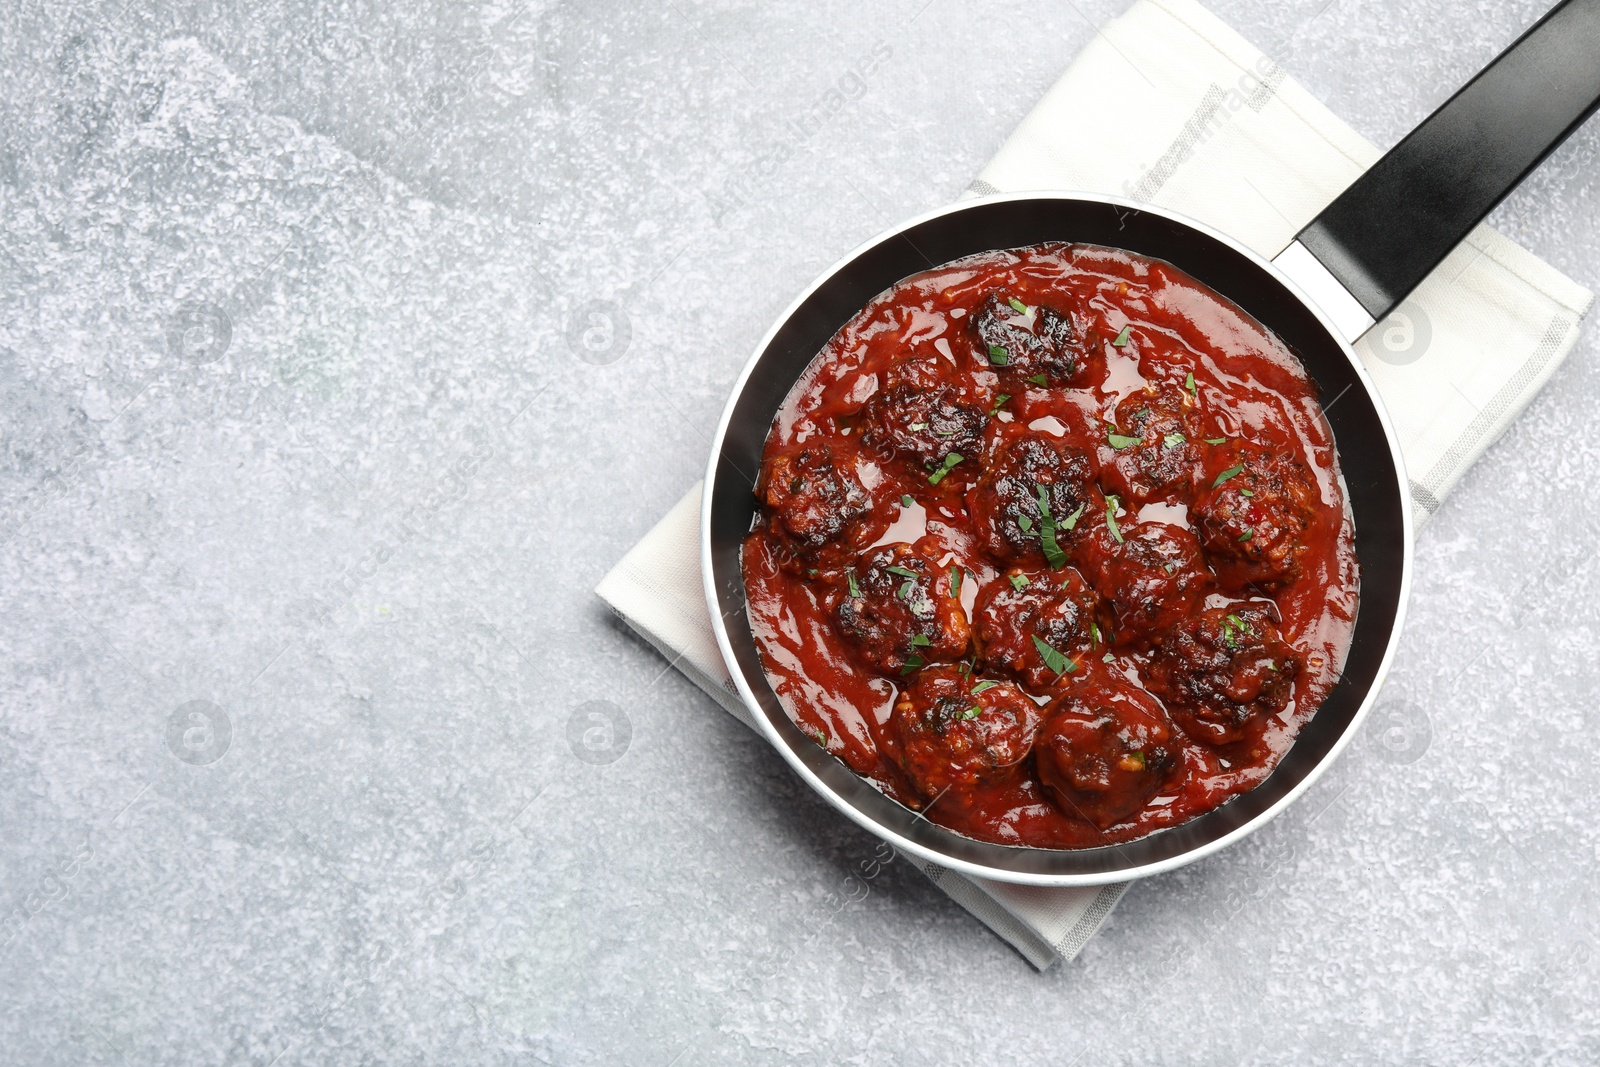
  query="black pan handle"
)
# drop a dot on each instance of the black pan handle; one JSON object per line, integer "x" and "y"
{"x": 1401, "y": 218}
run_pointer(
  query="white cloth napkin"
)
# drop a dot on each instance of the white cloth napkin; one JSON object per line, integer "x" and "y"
{"x": 1169, "y": 105}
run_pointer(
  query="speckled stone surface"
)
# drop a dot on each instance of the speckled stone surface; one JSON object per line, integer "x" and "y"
{"x": 343, "y": 347}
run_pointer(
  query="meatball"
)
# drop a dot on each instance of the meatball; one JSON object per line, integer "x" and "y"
{"x": 1253, "y": 507}
{"x": 898, "y": 610}
{"x": 1104, "y": 750}
{"x": 1025, "y": 344}
{"x": 1156, "y": 445}
{"x": 1025, "y": 621}
{"x": 817, "y": 503}
{"x": 953, "y": 731}
{"x": 1225, "y": 669}
{"x": 923, "y": 412}
{"x": 1032, "y": 498}
{"x": 1151, "y": 575}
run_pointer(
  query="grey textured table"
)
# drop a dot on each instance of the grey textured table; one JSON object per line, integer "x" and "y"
{"x": 305, "y": 488}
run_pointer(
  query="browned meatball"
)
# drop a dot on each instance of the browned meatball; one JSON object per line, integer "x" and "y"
{"x": 1024, "y": 344}
{"x": 1025, "y": 621}
{"x": 898, "y": 610}
{"x": 952, "y": 731}
{"x": 1104, "y": 751}
{"x": 924, "y": 412}
{"x": 1151, "y": 574}
{"x": 1156, "y": 444}
{"x": 817, "y": 503}
{"x": 1253, "y": 506}
{"x": 1032, "y": 499}
{"x": 1224, "y": 670}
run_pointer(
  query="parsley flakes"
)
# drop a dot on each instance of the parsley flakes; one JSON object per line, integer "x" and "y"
{"x": 1112, "y": 503}
{"x": 950, "y": 462}
{"x": 1047, "y": 531}
{"x": 1053, "y": 659}
{"x": 1231, "y": 472}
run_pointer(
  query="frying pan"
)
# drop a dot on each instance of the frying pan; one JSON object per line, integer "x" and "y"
{"x": 1345, "y": 271}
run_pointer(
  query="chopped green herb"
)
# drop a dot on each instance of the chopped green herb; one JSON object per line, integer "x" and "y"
{"x": 1107, "y": 658}
{"x": 986, "y": 684}
{"x": 1026, "y": 524}
{"x": 999, "y": 356}
{"x": 811, "y": 572}
{"x": 1188, "y": 383}
{"x": 1120, "y": 441}
{"x": 955, "y": 581}
{"x": 903, "y": 572}
{"x": 1094, "y": 628}
{"x": 1246, "y": 492}
{"x": 912, "y": 663}
{"x": 906, "y": 501}
{"x": 1225, "y": 475}
{"x": 1122, "y": 338}
{"x": 1216, "y": 440}
{"x": 1018, "y": 306}
{"x": 999, "y": 402}
{"x": 816, "y": 734}
{"x": 1173, "y": 440}
{"x": 1248, "y": 534}
{"x": 1233, "y": 626}
{"x": 1112, "y": 504}
{"x": 964, "y": 669}
{"x": 1047, "y": 530}
{"x": 1072, "y": 520}
{"x": 916, "y": 427}
{"x": 1019, "y": 582}
{"x": 950, "y": 462}
{"x": 855, "y": 590}
{"x": 1272, "y": 665}
{"x": 1136, "y": 759}
{"x": 1053, "y": 659}
{"x": 972, "y": 712}
{"x": 1039, "y": 380}
{"x": 906, "y": 589}
{"x": 920, "y": 641}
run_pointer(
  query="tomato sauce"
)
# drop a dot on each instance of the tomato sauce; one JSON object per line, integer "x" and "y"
{"x": 1117, "y": 419}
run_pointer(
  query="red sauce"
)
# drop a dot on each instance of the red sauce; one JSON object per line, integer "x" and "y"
{"x": 1200, "y": 601}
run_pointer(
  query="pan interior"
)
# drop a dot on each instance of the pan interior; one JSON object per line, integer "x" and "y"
{"x": 1377, "y": 499}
